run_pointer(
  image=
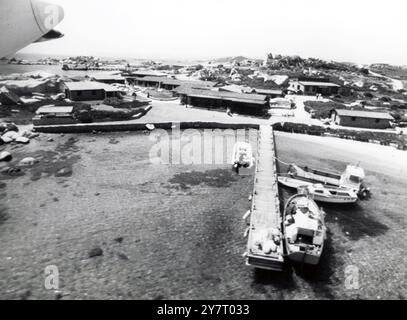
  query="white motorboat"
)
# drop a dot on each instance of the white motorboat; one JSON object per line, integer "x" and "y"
{"x": 321, "y": 192}
{"x": 242, "y": 156}
{"x": 352, "y": 178}
{"x": 304, "y": 229}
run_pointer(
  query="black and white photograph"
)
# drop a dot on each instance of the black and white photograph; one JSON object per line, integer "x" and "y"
{"x": 217, "y": 150}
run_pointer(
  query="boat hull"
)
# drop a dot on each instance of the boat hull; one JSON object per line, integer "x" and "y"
{"x": 334, "y": 200}
{"x": 299, "y": 252}
{"x": 262, "y": 262}
{"x": 295, "y": 184}
{"x": 302, "y": 257}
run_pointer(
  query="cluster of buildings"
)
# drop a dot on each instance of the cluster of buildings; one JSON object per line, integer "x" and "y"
{"x": 209, "y": 95}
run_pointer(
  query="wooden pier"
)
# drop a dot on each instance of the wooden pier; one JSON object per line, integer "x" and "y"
{"x": 265, "y": 241}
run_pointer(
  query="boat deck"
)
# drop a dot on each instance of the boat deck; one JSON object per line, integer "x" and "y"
{"x": 265, "y": 212}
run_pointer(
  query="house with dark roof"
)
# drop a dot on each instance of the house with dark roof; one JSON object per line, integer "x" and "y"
{"x": 166, "y": 83}
{"x": 271, "y": 93}
{"x": 53, "y": 115}
{"x": 90, "y": 91}
{"x": 252, "y": 104}
{"x": 109, "y": 78}
{"x": 361, "y": 119}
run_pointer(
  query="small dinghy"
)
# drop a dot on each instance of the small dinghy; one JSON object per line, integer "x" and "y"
{"x": 321, "y": 192}
{"x": 304, "y": 229}
{"x": 242, "y": 157}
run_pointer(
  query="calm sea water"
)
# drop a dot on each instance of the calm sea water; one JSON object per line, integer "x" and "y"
{"x": 6, "y": 69}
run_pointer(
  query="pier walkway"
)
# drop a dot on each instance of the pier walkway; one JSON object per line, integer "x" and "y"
{"x": 265, "y": 244}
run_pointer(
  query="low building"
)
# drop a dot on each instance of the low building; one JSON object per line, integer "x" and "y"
{"x": 146, "y": 73}
{"x": 361, "y": 119}
{"x": 271, "y": 93}
{"x": 53, "y": 115}
{"x": 90, "y": 91}
{"x": 235, "y": 88}
{"x": 109, "y": 78}
{"x": 166, "y": 83}
{"x": 251, "y": 104}
{"x": 313, "y": 87}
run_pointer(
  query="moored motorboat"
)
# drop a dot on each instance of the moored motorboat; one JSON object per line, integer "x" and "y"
{"x": 242, "y": 156}
{"x": 304, "y": 229}
{"x": 321, "y": 192}
{"x": 352, "y": 178}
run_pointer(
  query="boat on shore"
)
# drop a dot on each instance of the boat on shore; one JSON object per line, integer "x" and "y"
{"x": 320, "y": 192}
{"x": 242, "y": 156}
{"x": 304, "y": 229}
{"x": 352, "y": 178}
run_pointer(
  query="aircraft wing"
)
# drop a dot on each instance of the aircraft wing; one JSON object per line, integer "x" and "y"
{"x": 23, "y": 22}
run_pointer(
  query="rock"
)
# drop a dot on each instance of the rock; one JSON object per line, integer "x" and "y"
{"x": 29, "y": 134}
{"x": 33, "y": 135}
{"x": 64, "y": 172}
{"x": 6, "y": 139}
{"x": 122, "y": 256}
{"x": 23, "y": 140}
{"x": 29, "y": 161}
{"x": 4, "y": 127}
{"x": 25, "y": 295}
{"x": 60, "y": 294}
{"x": 50, "y": 140}
{"x": 95, "y": 252}
{"x": 119, "y": 239}
{"x": 11, "y": 171}
{"x": 10, "y": 135}
{"x": 5, "y": 156}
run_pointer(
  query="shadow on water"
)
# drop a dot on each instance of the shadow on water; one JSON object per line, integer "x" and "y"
{"x": 323, "y": 277}
{"x": 279, "y": 282}
{"x": 354, "y": 220}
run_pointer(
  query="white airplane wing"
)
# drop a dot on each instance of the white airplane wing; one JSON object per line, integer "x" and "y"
{"x": 23, "y": 22}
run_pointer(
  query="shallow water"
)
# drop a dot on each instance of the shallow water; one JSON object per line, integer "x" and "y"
{"x": 181, "y": 228}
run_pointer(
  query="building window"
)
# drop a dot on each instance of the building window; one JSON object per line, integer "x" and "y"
{"x": 93, "y": 92}
{"x": 353, "y": 119}
{"x": 79, "y": 93}
{"x": 377, "y": 120}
